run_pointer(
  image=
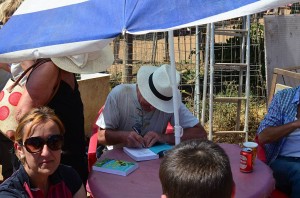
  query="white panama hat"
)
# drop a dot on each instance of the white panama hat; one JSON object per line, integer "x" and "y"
{"x": 155, "y": 86}
{"x": 87, "y": 63}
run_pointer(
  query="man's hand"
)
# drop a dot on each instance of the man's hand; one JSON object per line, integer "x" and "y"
{"x": 131, "y": 138}
{"x": 134, "y": 140}
{"x": 152, "y": 137}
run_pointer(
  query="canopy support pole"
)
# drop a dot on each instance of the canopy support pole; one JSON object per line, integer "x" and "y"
{"x": 176, "y": 93}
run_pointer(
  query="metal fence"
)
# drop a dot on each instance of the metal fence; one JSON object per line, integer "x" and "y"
{"x": 133, "y": 51}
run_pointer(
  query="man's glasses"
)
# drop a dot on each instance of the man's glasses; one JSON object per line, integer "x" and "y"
{"x": 36, "y": 144}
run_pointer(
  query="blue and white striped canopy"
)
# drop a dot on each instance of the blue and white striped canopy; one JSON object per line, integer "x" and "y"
{"x": 51, "y": 28}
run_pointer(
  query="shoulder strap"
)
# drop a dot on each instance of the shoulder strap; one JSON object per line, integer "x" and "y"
{"x": 35, "y": 65}
{"x": 38, "y": 63}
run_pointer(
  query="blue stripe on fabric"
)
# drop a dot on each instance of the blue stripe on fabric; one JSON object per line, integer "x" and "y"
{"x": 162, "y": 14}
{"x": 79, "y": 22}
{"x": 100, "y": 19}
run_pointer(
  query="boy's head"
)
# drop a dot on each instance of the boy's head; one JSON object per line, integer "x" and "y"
{"x": 196, "y": 169}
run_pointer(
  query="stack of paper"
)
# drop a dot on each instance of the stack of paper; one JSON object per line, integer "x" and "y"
{"x": 141, "y": 154}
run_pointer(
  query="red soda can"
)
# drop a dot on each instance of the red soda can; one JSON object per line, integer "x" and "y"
{"x": 246, "y": 165}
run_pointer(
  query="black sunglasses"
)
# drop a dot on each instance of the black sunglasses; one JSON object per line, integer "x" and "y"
{"x": 36, "y": 144}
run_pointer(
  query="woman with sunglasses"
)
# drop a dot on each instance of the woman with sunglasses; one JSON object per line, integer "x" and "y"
{"x": 38, "y": 144}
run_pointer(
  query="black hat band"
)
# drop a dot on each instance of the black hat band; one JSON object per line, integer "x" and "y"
{"x": 155, "y": 92}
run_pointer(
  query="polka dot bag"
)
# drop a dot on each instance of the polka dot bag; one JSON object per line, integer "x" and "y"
{"x": 9, "y": 99}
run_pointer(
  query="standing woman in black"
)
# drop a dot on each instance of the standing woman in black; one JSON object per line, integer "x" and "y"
{"x": 53, "y": 84}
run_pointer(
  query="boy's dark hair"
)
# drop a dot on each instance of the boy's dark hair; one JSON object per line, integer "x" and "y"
{"x": 196, "y": 169}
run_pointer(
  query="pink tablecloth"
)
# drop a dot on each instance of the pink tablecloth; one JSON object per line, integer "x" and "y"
{"x": 144, "y": 182}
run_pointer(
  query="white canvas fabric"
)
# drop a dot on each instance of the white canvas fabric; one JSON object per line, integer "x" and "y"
{"x": 16, "y": 71}
{"x": 86, "y": 63}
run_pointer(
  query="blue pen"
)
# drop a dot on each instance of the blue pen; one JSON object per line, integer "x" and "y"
{"x": 139, "y": 133}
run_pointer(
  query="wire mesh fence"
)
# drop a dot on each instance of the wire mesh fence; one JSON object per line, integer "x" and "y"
{"x": 133, "y": 51}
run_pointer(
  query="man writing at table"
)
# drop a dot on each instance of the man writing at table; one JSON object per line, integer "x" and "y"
{"x": 279, "y": 133}
{"x": 148, "y": 108}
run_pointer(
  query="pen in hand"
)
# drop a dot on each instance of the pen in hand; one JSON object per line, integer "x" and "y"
{"x": 139, "y": 133}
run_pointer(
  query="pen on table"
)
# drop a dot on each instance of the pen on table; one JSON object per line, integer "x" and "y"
{"x": 139, "y": 133}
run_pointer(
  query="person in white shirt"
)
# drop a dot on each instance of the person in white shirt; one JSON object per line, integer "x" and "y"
{"x": 138, "y": 114}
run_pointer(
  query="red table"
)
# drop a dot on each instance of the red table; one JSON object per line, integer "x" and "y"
{"x": 144, "y": 182}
